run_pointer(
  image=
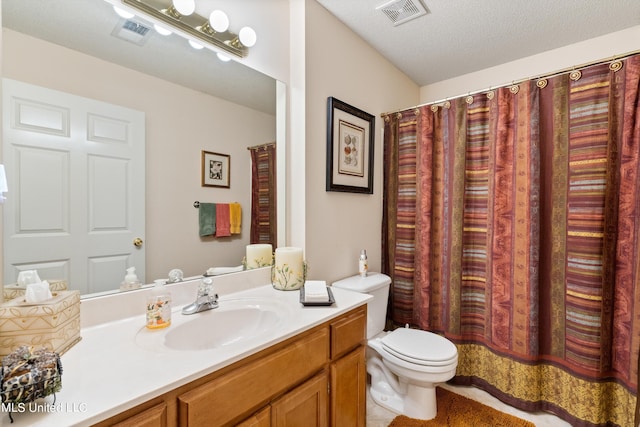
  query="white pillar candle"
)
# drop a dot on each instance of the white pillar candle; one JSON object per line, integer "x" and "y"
{"x": 288, "y": 273}
{"x": 259, "y": 255}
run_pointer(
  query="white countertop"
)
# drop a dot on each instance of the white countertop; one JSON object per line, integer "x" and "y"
{"x": 107, "y": 372}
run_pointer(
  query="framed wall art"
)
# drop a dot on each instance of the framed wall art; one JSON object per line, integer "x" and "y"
{"x": 215, "y": 169}
{"x": 350, "y": 143}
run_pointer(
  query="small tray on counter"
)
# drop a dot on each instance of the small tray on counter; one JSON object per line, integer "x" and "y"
{"x": 329, "y": 302}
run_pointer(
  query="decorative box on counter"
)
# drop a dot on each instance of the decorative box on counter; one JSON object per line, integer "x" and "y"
{"x": 29, "y": 374}
{"x": 15, "y": 290}
{"x": 53, "y": 324}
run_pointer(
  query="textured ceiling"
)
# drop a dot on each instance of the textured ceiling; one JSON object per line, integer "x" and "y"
{"x": 462, "y": 36}
{"x": 86, "y": 26}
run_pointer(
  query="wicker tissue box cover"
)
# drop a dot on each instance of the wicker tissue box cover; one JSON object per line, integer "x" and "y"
{"x": 14, "y": 290}
{"x": 53, "y": 324}
{"x": 29, "y": 374}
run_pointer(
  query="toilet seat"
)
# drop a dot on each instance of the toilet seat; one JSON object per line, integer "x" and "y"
{"x": 420, "y": 347}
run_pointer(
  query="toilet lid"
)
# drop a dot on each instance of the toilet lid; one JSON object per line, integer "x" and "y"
{"x": 420, "y": 347}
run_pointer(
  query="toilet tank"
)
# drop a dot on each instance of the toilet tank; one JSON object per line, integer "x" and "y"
{"x": 376, "y": 285}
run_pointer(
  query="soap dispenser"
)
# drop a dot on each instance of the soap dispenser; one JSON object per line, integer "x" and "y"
{"x": 130, "y": 280}
{"x": 159, "y": 306}
{"x": 363, "y": 265}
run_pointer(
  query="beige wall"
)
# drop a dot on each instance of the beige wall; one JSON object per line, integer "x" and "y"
{"x": 595, "y": 49}
{"x": 340, "y": 64}
{"x": 179, "y": 124}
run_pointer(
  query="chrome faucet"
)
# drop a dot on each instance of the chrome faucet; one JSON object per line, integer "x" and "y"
{"x": 207, "y": 299}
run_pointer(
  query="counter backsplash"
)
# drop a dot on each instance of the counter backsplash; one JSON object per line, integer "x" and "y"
{"x": 108, "y": 308}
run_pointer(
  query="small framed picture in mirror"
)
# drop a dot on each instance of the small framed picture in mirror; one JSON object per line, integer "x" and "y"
{"x": 215, "y": 169}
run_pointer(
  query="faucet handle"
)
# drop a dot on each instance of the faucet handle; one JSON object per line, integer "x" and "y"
{"x": 206, "y": 287}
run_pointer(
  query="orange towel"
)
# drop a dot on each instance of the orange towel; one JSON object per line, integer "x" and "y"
{"x": 235, "y": 218}
{"x": 223, "y": 224}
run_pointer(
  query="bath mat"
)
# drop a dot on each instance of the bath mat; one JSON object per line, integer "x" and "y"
{"x": 458, "y": 411}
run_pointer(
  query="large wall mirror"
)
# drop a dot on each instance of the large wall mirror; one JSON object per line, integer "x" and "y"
{"x": 190, "y": 101}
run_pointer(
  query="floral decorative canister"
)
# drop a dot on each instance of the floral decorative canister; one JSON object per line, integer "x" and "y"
{"x": 289, "y": 270}
{"x": 259, "y": 255}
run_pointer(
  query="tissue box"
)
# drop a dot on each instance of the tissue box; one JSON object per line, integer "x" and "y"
{"x": 14, "y": 290}
{"x": 53, "y": 324}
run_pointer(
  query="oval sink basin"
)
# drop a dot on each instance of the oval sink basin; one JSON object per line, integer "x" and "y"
{"x": 234, "y": 321}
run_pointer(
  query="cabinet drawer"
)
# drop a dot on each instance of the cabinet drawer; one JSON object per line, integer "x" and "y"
{"x": 234, "y": 395}
{"x": 348, "y": 332}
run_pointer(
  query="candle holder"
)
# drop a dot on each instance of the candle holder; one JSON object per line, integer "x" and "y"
{"x": 289, "y": 270}
{"x": 258, "y": 256}
{"x": 285, "y": 278}
{"x": 245, "y": 265}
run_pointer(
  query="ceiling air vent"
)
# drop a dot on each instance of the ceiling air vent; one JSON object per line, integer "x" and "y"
{"x": 401, "y": 11}
{"x": 131, "y": 31}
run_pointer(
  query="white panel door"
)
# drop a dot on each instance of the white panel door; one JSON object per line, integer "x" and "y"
{"x": 76, "y": 170}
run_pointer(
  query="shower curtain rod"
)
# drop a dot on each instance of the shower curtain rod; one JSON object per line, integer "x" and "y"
{"x": 515, "y": 82}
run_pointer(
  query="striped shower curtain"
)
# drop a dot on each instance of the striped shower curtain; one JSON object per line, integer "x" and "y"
{"x": 263, "y": 195}
{"x": 512, "y": 226}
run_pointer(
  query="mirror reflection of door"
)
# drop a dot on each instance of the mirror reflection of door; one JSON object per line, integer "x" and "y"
{"x": 82, "y": 162}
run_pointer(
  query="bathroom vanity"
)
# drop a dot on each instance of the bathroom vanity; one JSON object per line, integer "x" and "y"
{"x": 316, "y": 378}
{"x": 306, "y": 367}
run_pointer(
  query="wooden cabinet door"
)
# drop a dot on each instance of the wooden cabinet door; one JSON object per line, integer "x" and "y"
{"x": 233, "y": 396}
{"x": 348, "y": 390}
{"x": 153, "y": 417}
{"x": 261, "y": 419}
{"x": 304, "y": 406}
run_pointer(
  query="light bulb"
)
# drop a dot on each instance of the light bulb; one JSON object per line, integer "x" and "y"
{"x": 185, "y": 7}
{"x": 195, "y": 45}
{"x": 123, "y": 13}
{"x": 222, "y": 57}
{"x": 247, "y": 36}
{"x": 219, "y": 21}
{"x": 161, "y": 30}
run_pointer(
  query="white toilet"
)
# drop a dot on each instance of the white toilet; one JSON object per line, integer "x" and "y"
{"x": 405, "y": 364}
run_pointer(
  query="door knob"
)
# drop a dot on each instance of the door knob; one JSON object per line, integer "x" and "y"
{"x": 137, "y": 242}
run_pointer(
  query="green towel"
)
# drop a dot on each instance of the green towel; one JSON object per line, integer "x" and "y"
{"x": 207, "y": 218}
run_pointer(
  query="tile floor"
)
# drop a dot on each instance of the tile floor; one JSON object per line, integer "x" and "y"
{"x": 378, "y": 416}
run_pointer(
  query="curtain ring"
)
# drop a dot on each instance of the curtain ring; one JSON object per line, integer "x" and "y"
{"x": 615, "y": 66}
{"x": 434, "y": 108}
{"x": 575, "y": 75}
{"x": 542, "y": 83}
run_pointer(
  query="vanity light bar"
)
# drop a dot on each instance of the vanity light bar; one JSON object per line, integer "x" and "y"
{"x": 194, "y": 25}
